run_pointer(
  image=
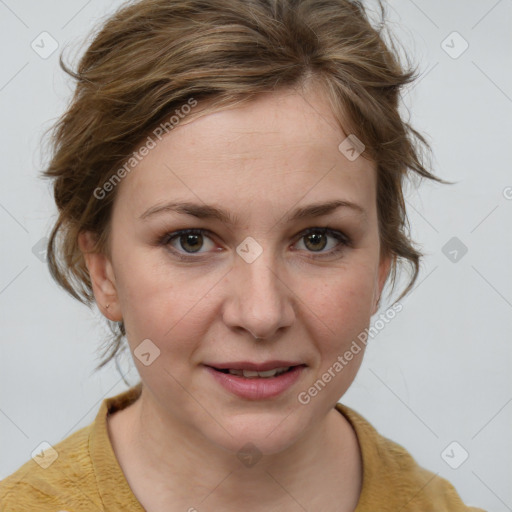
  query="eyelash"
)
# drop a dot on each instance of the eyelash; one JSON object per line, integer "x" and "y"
{"x": 344, "y": 241}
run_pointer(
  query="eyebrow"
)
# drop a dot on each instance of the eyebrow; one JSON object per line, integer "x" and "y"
{"x": 203, "y": 211}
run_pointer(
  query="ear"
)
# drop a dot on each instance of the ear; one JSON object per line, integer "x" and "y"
{"x": 382, "y": 275}
{"x": 102, "y": 277}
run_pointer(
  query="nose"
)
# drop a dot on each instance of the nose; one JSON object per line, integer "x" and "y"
{"x": 259, "y": 300}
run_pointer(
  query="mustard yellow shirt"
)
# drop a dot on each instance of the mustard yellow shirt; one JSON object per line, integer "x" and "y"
{"x": 86, "y": 476}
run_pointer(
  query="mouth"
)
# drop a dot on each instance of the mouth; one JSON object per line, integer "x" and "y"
{"x": 253, "y": 374}
{"x": 256, "y": 381}
{"x": 251, "y": 370}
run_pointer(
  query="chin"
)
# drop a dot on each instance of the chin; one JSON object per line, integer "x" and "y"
{"x": 264, "y": 432}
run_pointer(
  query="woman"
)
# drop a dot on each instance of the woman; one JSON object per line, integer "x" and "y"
{"x": 229, "y": 181}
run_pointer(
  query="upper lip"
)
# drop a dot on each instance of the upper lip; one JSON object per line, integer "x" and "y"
{"x": 258, "y": 367}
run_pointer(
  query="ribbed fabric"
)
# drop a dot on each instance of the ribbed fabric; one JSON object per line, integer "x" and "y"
{"x": 86, "y": 477}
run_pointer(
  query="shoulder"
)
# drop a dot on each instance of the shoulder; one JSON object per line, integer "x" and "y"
{"x": 391, "y": 475}
{"x": 78, "y": 474}
{"x": 60, "y": 477}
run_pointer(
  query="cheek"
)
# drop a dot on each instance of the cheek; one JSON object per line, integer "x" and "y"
{"x": 164, "y": 303}
{"x": 345, "y": 307}
{"x": 344, "y": 302}
{"x": 150, "y": 300}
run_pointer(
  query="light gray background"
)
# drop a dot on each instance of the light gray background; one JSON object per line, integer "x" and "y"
{"x": 438, "y": 373}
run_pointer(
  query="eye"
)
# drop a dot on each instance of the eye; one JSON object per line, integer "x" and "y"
{"x": 189, "y": 241}
{"x": 315, "y": 240}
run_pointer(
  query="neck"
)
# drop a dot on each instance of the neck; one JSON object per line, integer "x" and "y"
{"x": 166, "y": 462}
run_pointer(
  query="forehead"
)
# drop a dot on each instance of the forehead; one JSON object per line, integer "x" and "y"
{"x": 278, "y": 148}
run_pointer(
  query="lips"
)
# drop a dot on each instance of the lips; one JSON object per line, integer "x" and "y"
{"x": 240, "y": 379}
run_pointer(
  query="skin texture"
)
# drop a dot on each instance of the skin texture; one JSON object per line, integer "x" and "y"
{"x": 177, "y": 444}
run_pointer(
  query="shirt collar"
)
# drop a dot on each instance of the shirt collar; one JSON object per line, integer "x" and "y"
{"x": 115, "y": 492}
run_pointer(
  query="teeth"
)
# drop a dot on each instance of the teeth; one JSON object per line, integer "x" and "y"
{"x": 251, "y": 374}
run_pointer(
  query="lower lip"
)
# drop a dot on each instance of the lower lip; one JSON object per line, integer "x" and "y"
{"x": 258, "y": 388}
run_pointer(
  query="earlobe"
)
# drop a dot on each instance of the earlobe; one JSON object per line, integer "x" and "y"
{"x": 102, "y": 277}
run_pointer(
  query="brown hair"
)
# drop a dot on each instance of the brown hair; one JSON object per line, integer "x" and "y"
{"x": 152, "y": 56}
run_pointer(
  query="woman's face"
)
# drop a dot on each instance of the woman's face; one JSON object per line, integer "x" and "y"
{"x": 202, "y": 298}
